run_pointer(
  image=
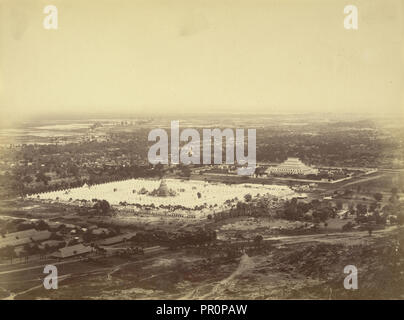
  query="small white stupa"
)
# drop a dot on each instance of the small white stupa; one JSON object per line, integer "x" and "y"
{"x": 163, "y": 191}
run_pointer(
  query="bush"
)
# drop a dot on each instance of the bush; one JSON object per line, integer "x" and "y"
{"x": 348, "y": 226}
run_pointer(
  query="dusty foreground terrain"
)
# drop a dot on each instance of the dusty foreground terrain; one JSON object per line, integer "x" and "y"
{"x": 292, "y": 267}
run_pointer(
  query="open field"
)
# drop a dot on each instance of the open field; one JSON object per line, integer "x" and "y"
{"x": 297, "y": 267}
{"x": 188, "y": 194}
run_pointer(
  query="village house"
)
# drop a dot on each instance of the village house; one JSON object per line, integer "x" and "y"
{"x": 72, "y": 251}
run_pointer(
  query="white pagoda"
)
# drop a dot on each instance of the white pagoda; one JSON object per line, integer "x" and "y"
{"x": 292, "y": 166}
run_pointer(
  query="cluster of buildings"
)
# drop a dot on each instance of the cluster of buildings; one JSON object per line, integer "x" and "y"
{"x": 59, "y": 249}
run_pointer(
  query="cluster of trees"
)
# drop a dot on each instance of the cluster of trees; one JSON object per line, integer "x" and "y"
{"x": 168, "y": 207}
{"x": 340, "y": 144}
{"x": 253, "y": 208}
{"x": 8, "y": 252}
{"x": 102, "y": 206}
{"x": 52, "y": 167}
{"x": 23, "y": 184}
{"x": 176, "y": 239}
{"x": 395, "y": 207}
{"x": 294, "y": 210}
{"x": 197, "y": 238}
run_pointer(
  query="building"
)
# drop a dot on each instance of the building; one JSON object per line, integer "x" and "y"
{"x": 52, "y": 244}
{"x": 117, "y": 239}
{"x": 72, "y": 251}
{"x": 21, "y": 238}
{"x": 292, "y": 166}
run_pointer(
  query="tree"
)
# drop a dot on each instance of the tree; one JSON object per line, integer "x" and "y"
{"x": 88, "y": 236}
{"x": 185, "y": 171}
{"x": 103, "y": 206}
{"x": 361, "y": 209}
{"x": 41, "y": 225}
{"x": 258, "y": 240}
{"x": 40, "y": 176}
{"x": 247, "y": 197}
{"x": 322, "y": 214}
{"x": 8, "y": 251}
{"x": 373, "y": 207}
{"x": 378, "y": 196}
{"x": 348, "y": 226}
{"x": 27, "y": 179}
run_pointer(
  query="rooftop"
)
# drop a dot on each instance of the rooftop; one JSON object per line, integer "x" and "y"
{"x": 72, "y": 251}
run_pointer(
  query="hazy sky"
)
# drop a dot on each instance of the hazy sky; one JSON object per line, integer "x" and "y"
{"x": 194, "y": 56}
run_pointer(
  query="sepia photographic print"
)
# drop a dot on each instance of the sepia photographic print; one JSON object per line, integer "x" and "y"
{"x": 201, "y": 150}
